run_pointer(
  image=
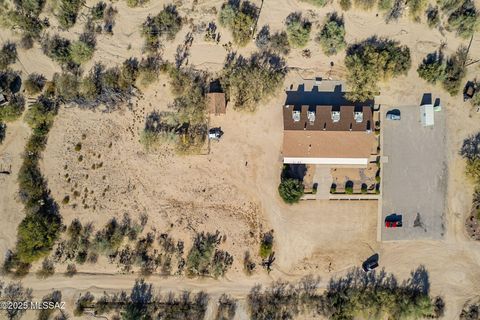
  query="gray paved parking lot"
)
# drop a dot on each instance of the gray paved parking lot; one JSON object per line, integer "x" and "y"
{"x": 414, "y": 178}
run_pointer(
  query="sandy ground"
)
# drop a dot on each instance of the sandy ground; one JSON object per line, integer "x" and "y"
{"x": 234, "y": 188}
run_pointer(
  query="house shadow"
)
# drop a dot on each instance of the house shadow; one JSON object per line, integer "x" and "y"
{"x": 294, "y": 171}
{"x": 335, "y": 98}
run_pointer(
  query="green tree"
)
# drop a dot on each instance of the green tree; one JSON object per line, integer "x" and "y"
{"x": 332, "y": 36}
{"x": 416, "y": 8}
{"x": 291, "y": 190}
{"x": 68, "y": 12}
{"x": 165, "y": 24}
{"x": 298, "y": 29}
{"x": 240, "y": 19}
{"x": 432, "y": 68}
{"x": 81, "y": 52}
{"x": 34, "y": 83}
{"x": 247, "y": 81}
{"x": 8, "y": 55}
{"x": 455, "y": 71}
{"x": 372, "y": 60}
{"x": 12, "y": 110}
{"x": 464, "y": 20}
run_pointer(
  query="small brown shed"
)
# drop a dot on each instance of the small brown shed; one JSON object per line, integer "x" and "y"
{"x": 216, "y": 103}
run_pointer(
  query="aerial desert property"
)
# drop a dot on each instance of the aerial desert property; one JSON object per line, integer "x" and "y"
{"x": 234, "y": 159}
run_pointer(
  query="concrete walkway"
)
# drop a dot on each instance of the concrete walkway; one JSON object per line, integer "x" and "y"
{"x": 323, "y": 177}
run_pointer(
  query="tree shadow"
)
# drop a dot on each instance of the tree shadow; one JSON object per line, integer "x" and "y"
{"x": 294, "y": 171}
{"x": 335, "y": 98}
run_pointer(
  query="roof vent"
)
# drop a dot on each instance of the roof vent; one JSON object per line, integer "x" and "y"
{"x": 358, "y": 116}
{"x": 296, "y": 115}
{"x": 311, "y": 116}
{"x": 335, "y": 116}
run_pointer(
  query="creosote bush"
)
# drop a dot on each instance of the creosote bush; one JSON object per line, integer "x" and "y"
{"x": 298, "y": 29}
{"x": 464, "y": 20}
{"x": 205, "y": 259}
{"x": 34, "y": 83}
{"x": 39, "y": 230}
{"x": 8, "y": 55}
{"x": 332, "y": 36}
{"x": 164, "y": 25}
{"x": 239, "y": 17}
{"x": 67, "y": 12}
{"x": 432, "y": 68}
{"x": 455, "y": 71}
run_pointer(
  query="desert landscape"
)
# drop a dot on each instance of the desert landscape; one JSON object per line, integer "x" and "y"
{"x": 225, "y": 194}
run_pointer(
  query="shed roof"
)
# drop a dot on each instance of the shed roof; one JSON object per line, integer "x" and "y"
{"x": 216, "y": 103}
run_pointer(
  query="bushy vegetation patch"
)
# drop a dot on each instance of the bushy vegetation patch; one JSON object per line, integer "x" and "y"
{"x": 291, "y": 188}
{"x": 67, "y": 12}
{"x": 142, "y": 303}
{"x": 416, "y": 8}
{"x": 277, "y": 42}
{"x": 248, "y": 81}
{"x": 185, "y": 125}
{"x": 450, "y": 72}
{"x": 470, "y": 151}
{"x": 433, "y": 16}
{"x": 14, "y": 291}
{"x": 298, "y": 29}
{"x": 24, "y": 17}
{"x": 357, "y": 295}
{"x": 39, "y": 230}
{"x": 432, "y": 68}
{"x": 464, "y": 20}
{"x": 455, "y": 71}
{"x": 8, "y": 55}
{"x": 14, "y": 102}
{"x": 205, "y": 259}
{"x": 332, "y": 36}
{"x": 226, "y": 308}
{"x": 164, "y": 25}
{"x": 266, "y": 244}
{"x": 13, "y": 109}
{"x": 372, "y": 60}
{"x": 239, "y": 17}
{"x": 34, "y": 83}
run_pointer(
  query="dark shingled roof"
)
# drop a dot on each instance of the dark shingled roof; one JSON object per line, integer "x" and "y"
{"x": 323, "y": 118}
